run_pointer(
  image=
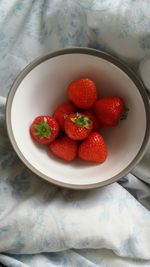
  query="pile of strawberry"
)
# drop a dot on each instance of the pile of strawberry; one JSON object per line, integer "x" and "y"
{"x": 74, "y": 128}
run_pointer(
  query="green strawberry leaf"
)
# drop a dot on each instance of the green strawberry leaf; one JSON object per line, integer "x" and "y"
{"x": 42, "y": 129}
{"x": 82, "y": 120}
{"x": 124, "y": 114}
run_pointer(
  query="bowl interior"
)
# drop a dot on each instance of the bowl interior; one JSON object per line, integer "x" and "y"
{"x": 44, "y": 88}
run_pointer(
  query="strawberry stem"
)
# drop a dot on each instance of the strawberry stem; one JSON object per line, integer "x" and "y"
{"x": 82, "y": 120}
{"x": 42, "y": 129}
{"x": 124, "y": 114}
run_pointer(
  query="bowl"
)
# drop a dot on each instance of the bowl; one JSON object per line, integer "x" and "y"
{"x": 41, "y": 86}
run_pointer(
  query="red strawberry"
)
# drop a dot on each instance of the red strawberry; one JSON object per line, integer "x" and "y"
{"x": 93, "y": 148}
{"x": 109, "y": 110}
{"x": 78, "y": 126}
{"x": 62, "y": 111}
{"x": 44, "y": 129}
{"x": 64, "y": 148}
{"x": 82, "y": 93}
{"x": 96, "y": 123}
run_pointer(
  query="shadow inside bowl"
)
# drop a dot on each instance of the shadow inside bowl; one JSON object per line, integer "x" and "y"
{"x": 38, "y": 146}
{"x": 77, "y": 163}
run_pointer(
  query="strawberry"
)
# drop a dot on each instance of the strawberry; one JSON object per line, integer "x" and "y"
{"x": 93, "y": 148}
{"x": 83, "y": 93}
{"x": 96, "y": 123}
{"x": 78, "y": 126}
{"x": 44, "y": 129}
{"x": 64, "y": 148}
{"x": 109, "y": 110}
{"x": 62, "y": 111}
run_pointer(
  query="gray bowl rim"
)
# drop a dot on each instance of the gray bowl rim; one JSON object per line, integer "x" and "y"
{"x": 89, "y": 51}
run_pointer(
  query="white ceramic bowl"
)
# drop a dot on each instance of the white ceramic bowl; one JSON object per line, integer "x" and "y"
{"x": 41, "y": 86}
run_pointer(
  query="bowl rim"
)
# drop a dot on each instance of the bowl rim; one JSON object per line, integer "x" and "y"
{"x": 100, "y": 54}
